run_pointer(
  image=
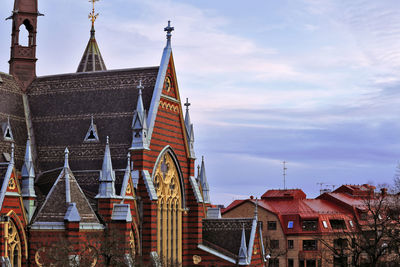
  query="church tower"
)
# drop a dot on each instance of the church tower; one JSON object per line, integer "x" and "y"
{"x": 23, "y": 52}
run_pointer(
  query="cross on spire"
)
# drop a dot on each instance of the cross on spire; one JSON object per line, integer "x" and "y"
{"x": 169, "y": 29}
{"x": 93, "y": 16}
{"x": 187, "y": 104}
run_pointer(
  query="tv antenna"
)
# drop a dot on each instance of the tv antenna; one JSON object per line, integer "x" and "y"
{"x": 284, "y": 174}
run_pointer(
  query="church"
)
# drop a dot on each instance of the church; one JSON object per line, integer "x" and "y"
{"x": 97, "y": 167}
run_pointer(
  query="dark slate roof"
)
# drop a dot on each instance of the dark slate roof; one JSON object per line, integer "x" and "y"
{"x": 55, "y": 206}
{"x": 225, "y": 235}
{"x": 62, "y": 106}
{"x": 3, "y": 170}
{"x": 11, "y": 105}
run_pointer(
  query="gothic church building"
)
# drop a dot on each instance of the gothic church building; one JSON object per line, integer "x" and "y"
{"x": 97, "y": 167}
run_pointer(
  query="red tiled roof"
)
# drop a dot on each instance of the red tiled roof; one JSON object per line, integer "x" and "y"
{"x": 286, "y": 194}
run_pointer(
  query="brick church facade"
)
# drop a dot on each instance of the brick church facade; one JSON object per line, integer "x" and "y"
{"x": 97, "y": 167}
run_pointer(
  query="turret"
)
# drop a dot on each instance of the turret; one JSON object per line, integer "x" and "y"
{"x": 23, "y": 52}
{"x": 139, "y": 124}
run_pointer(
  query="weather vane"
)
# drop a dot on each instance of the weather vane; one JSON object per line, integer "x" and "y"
{"x": 93, "y": 16}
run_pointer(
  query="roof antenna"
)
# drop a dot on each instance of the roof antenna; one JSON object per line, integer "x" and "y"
{"x": 284, "y": 175}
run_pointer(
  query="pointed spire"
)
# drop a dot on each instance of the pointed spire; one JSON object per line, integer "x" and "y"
{"x": 189, "y": 130}
{"x": 204, "y": 182}
{"x": 243, "y": 248}
{"x": 187, "y": 116}
{"x": 28, "y": 172}
{"x": 12, "y": 160}
{"x": 139, "y": 105}
{"x": 107, "y": 176}
{"x": 28, "y": 182}
{"x": 92, "y": 59}
{"x": 127, "y": 177}
{"x": 139, "y": 123}
{"x": 66, "y": 176}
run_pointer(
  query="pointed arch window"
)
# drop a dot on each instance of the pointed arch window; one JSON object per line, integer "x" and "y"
{"x": 25, "y": 36}
{"x": 14, "y": 245}
{"x": 169, "y": 210}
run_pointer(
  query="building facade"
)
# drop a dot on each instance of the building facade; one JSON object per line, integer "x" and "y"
{"x": 351, "y": 226}
{"x": 97, "y": 167}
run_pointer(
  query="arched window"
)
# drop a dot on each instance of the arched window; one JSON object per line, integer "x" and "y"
{"x": 169, "y": 210}
{"x": 14, "y": 245}
{"x": 24, "y": 38}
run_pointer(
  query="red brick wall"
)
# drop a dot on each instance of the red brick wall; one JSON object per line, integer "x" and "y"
{"x": 169, "y": 130}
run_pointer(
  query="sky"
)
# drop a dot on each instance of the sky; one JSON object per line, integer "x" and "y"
{"x": 315, "y": 83}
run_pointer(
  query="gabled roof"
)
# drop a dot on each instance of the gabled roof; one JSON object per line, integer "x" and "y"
{"x": 55, "y": 206}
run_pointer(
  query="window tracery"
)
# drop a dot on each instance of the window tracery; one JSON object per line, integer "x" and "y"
{"x": 14, "y": 245}
{"x": 169, "y": 212}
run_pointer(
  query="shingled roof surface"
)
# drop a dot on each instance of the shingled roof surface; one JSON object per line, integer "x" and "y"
{"x": 55, "y": 206}
{"x": 3, "y": 170}
{"x": 62, "y": 107}
{"x": 224, "y": 235}
{"x": 11, "y": 105}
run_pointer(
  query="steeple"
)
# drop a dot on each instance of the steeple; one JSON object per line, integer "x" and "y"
{"x": 66, "y": 177}
{"x": 23, "y": 52}
{"x": 92, "y": 59}
{"x": 107, "y": 176}
{"x": 189, "y": 130}
{"x": 139, "y": 123}
{"x": 203, "y": 182}
{"x": 28, "y": 181}
{"x": 243, "y": 248}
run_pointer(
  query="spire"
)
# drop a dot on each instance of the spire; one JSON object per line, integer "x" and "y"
{"x": 66, "y": 176}
{"x": 139, "y": 123}
{"x": 187, "y": 116}
{"x": 28, "y": 181}
{"x": 243, "y": 248}
{"x": 28, "y": 172}
{"x": 92, "y": 59}
{"x": 203, "y": 181}
{"x": 12, "y": 160}
{"x": 107, "y": 176}
{"x": 127, "y": 177}
{"x": 189, "y": 130}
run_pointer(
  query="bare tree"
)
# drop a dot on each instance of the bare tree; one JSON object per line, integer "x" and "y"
{"x": 374, "y": 238}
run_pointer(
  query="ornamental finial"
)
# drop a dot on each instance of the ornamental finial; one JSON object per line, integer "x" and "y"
{"x": 140, "y": 87}
{"x": 169, "y": 29}
{"x": 93, "y": 16}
